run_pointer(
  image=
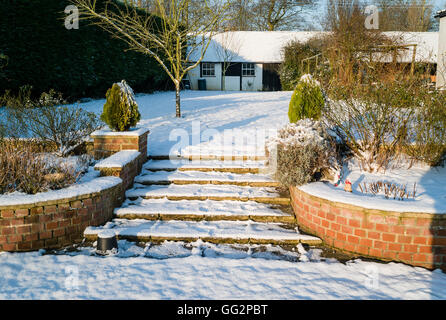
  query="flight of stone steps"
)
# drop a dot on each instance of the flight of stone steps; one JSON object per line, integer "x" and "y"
{"x": 214, "y": 199}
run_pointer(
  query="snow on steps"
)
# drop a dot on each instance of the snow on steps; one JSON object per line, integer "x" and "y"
{"x": 206, "y": 166}
{"x": 193, "y": 210}
{"x": 209, "y": 231}
{"x": 198, "y": 177}
{"x": 212, "y": 157}
{"x": 207, "y": 192}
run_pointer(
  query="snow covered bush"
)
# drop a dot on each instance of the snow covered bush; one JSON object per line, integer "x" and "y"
{"x": 121, "y": 110}
{"x": 427, "y": 135}
{"x": 49, "y": 121}
{"x": 384, "y": 122}
{"x": 307, "y": 100}
{"x": 372, "y": 121}
{"x": 25, "y": 169}
{"x": 304, "y": 152}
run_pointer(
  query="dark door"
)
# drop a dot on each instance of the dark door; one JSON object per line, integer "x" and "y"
{"x": 271, "y": 79}
{"x": 235, "y": 70}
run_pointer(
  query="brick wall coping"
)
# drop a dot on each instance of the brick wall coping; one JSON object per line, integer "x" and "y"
{"x": 366, "y": 211}
{"x": 72, "y": 193}
{"x": 118, "y": 160}
{"x": 347, "y": 200}
{"x": 135, "y": 132}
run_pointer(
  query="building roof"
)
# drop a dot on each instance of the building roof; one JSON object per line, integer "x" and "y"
{"x": 441, "y": 14}
{"x": 266, "y": 47}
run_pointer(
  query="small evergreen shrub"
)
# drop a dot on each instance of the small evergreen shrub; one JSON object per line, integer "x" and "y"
{"x": 304, "y": 153}
{"x": 307, "y": 100}
{"x": 121, "y": 110}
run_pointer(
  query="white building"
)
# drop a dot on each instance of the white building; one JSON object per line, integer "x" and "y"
{"x": 441, "y": 66}
{"x": 254, "y": 57}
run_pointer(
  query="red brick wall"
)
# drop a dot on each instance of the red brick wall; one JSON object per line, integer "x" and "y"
{"x": 127, "y": 173}
{"x": 54, "y": 225}
{"x": 105, "y": 146}
{"x": 416, "y": 239}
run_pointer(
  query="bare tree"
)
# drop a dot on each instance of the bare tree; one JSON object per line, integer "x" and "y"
{"x": 274, "y": 15}
{"x": 171, "y": 37}
{"x": 349, "y": 39}
{"x": 240, "y": 12}
{"x": 405, "y": 15}
{"x": 227, "y": 49}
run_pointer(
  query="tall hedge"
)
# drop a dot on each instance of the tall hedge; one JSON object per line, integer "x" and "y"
{"x": 78, "y": 63}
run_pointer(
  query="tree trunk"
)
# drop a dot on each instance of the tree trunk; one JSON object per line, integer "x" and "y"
{"x": 178, "y": 99}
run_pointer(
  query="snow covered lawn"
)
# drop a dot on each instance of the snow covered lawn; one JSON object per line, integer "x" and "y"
{"x": 207, "y": 271}
{"x": 212, "y": 112}
{"x": 252, "y": 114}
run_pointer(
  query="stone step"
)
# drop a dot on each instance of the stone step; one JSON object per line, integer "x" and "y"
{"x": 198, "y": 177}
{"x": 206, "y": 166}
{"x": 211, "y": 157}
{"x": 207, "y": 192}
{"x": 208, "y": 231}
{"x": 193, "y": 210}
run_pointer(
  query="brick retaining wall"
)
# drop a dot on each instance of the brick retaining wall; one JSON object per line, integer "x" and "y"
{"x": 55, "y": 224}
{"x": 126, "y": 171}
{"x": 417, "y": 239}
{"x": 58, "y": 223}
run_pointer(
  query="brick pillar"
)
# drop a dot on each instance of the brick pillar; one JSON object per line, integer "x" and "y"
{"x": 107, "y": 143}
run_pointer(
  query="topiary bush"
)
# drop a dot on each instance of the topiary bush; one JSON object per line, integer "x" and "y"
{"x": 121, "y": 110}
{"x": 307, "y": 100}
{"x": 303, "y": 152}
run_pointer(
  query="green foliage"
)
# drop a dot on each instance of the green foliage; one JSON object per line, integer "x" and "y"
{"x": 120, "y": 110}
{"x": 292, "y": 69}
{"x": 78, "y": 63}
{"x": 307, "y": 101}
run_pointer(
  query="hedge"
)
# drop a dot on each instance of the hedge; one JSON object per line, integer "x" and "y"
{"x": 79, "y": 63}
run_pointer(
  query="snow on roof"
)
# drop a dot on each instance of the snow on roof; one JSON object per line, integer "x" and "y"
{"x": 441, "y": 14}
{"x": 427, "y": 45}
{"x": 266, "y": 46}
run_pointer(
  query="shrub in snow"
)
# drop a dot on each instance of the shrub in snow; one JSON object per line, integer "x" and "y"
{"x": 307, "y": 100}
{"x": 427, "y": 135}
{"x": 292, "y": 68}
{"x": 121, "y": 110}
{"x": 25, "y": 169}
{"x": 304, "y": 151}
{"x": 383, "y": 122}
{"x": 48, "y": 120}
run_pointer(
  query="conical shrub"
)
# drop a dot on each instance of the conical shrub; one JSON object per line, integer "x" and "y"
{"x": 120, "y": 110}
{"x": 307, "y": 100}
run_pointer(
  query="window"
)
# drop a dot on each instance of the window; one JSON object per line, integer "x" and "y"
{"x": 248, "y": 70}
{"x": 208, "y": 69}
